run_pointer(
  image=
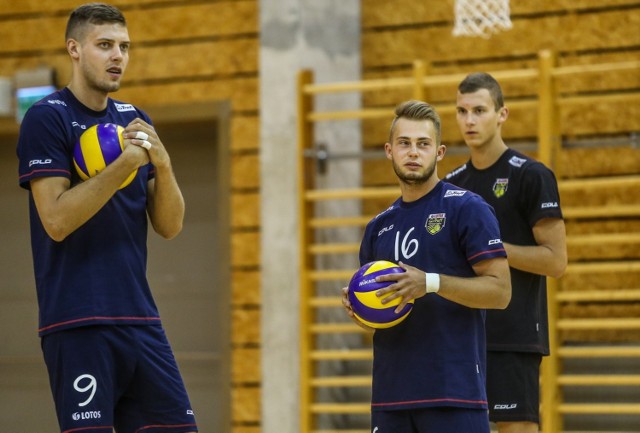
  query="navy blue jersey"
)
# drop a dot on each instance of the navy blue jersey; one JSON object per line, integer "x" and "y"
{"x": 97, "y": 275}
{"x": 436, "y": 357}
{"x": 522, "y": 191}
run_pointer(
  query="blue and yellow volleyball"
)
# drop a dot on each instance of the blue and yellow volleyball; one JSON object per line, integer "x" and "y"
{"x": 368, "y": 307}
{"x": 98, "y": 147}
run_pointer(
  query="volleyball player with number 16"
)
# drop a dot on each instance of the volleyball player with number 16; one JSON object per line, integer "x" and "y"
{"x": 429, "y": 369}
{"x": 110, "y": 364}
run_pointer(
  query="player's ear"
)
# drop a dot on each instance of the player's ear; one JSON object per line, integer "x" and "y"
{"x": 387, "y": 150}
{"x": 73, "y": 48}
{"x": 442, "y": 149}
{"x": 503, "y": 114}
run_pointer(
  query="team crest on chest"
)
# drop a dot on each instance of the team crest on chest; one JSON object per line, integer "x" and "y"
{"x": 435, "y": 223}
{"x": 500, "y": 187}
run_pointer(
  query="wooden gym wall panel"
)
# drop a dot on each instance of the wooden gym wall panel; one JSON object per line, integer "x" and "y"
{"x": 246, "y": 404}
{"x": 147, "y": 23}
{"x": 400, "y": 46}
{"x": 42, "y": 7}
{"x": 245, "y": 327}
{"x": 245, "y": 287}
{"x": 382, "y": 13}
{"x": 204, "y": 59}
{"x": 583, "y": 32}
{"x": 245, "y": 131}
{"x": 240, "y": 91}
{"x": 586, "y": 162}
{"x": 245, "y": 211}
{"x": 245, "y": 171}
{"x": 245, "y": 249}
{"x": 245, "y": 366}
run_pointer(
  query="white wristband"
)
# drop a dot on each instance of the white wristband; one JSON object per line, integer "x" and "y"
{"x": 433, "y": 282}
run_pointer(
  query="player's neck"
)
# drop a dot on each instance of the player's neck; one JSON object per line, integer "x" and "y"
{"x": 485, "y": 156}
{"x": 95, "y": 100}
{"x": 412, "y": 192}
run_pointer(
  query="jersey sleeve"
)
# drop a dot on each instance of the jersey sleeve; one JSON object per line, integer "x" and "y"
{"x": 479, "y": 231}
{"x": 366, "y": 249}
{"x": 540, "y": 194}
{"x": 42, "y": 146}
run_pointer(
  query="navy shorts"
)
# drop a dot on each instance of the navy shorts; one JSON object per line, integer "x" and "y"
{"x": 116, "y": 377}
{"x": 431, "y": 420}
{"x": 513, "y": 386}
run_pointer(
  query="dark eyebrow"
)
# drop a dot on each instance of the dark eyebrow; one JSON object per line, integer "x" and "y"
{"x": 113, "y": 41}
{"x": 402, "y": 137}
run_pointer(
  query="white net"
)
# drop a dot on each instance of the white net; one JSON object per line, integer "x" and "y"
{"x": 481, "y": 17}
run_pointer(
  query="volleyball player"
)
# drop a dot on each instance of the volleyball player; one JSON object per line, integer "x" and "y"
{"x": 429, "y": 370}
{"x": 109, "y": 362}
{"x": 524, "y": 194}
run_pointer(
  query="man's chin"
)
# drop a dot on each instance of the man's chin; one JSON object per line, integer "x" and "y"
{"x": 414, "y": 180}
{"x": 110, "y": 87}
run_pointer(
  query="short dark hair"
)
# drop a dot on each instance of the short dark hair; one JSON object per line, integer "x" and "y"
{"x": 91, "y": 13}
{"x": 416, "y": 110}
{"x": 482, "y": 80}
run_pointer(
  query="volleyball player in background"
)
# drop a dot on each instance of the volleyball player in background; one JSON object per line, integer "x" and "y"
{"x": 524, "y": 194}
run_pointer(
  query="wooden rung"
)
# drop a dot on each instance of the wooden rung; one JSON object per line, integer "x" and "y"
{"x": 599, "y": 295}
{"x": 599, "y": 323}
{"x": 620, "y": 97}
{"x": 609, "y": 211}
{"x": 608, "y": 266}
{"x": 599, "y": 352}
{"x": 326, "y": 301}
{"x": 600, "y": 408}
{"x": 336, "y": 328}
{"x": 334, "y": 248}
{"x": 351, "y": 193}
{"x": 340, "y": 431}
{"x": 341, "y": 381}
{"x": 328, "y": 222}
{"x": 567, "y": 186}
{"x": 602, "y": 238}
{"x": 599, "y": 379}
{"x": 342, "y": 355}
{"x": 363, "y": 85}
{"x": 330, "y": 275}
{"x": 367, "y": 113}
{"x": 561, "y": 71}
{"x": 354, "y": 408}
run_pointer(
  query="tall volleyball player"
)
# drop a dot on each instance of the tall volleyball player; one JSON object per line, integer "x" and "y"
{"x": 429, "y": 370}
{"x": 525, "y": 195}
{"x": 110, "y": 364}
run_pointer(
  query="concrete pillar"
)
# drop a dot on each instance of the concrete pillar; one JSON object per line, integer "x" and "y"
{"x": 296, "y": 34}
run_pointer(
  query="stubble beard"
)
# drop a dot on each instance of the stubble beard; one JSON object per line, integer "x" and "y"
{"x": 106, "y": 86}
{"x": 102, "y": 85}
{"x": 413, "y": 178}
